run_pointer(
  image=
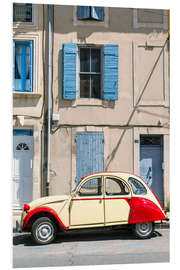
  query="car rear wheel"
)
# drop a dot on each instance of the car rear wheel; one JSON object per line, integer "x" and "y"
{"x": 43, "y": 231}
{"x": 143, "y": 230}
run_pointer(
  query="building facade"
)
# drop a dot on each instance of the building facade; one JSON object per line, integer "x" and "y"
{"x": 28, "y": 100}
{"x": 109, "y": 96}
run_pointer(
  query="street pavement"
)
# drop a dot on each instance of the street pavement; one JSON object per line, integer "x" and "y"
{"x": 94, "y": 248}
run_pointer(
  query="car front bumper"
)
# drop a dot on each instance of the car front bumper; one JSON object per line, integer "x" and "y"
{"x": 18, "y": 227}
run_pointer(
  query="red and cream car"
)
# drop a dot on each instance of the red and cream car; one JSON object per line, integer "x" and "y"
{"x": 99, "y": 200}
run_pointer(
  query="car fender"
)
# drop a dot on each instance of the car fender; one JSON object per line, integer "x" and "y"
{"x": 144, "y": 210}
{"x": 47, "y": 210}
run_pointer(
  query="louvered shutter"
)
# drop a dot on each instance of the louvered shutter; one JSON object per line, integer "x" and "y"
{"x": 110, "y": 72}
{"x": 89, "y": 153}
{"x": 69, "y": 71}
{"x": 97, "y": 13}
{"x": 82, "y": 12}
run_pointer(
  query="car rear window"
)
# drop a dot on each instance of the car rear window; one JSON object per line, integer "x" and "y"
{"x": 137, "y": 187}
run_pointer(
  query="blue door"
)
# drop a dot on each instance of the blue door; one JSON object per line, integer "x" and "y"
{"x": 151, "y": 161}
{"x": 89, "y": 153}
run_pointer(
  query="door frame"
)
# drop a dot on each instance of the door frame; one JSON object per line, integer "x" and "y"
{"x": 99, "y": 198}
{"x": 30, "y": 124}
{"x": 24, "y": 136}
{"x": 115, "y": 198}
{"x": 166, "y": 142}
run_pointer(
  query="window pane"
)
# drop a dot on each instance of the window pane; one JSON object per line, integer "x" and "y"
{"x": 91, "y": 188}
{"x": 84, "y": 86}
{"x": 137, "y": 187}
{"x": 27, "y": 68}
{"x": 23, "y": 67}
{"x": 22, "y": 12}
{"x": 18, "y": 62}
{"x": 84, "y": 60}
{"x": 116, "y": 187}
{"x": 95, "y": 84}
{"x": 95, "y": 60}
{"x": 18, "y": 68}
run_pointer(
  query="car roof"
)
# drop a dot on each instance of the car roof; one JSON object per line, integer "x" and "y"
{"x": 118, "y": 173}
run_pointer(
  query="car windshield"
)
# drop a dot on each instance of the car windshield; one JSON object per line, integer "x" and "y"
{"x": 76, "y": 186}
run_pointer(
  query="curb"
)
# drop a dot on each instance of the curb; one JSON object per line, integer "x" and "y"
{"x": 165, "y": 225}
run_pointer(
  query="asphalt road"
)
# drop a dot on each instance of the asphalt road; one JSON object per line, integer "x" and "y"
{"x": 97, "y": 248}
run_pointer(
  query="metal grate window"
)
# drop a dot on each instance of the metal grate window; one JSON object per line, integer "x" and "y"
{"x": 151, "y": 140}
{"x": 22, "y": 12}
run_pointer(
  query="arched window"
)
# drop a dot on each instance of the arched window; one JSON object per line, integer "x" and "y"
{"x": 22, "y": 146}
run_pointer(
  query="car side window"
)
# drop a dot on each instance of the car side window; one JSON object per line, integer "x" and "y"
{"x": 92, "y": 187}
{"x": 116, "y": 187}
{"x": 137, "y": 187}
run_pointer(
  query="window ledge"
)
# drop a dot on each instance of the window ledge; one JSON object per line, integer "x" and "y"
{"x": 26, "y": 95}
{"x": 87, "y": 102}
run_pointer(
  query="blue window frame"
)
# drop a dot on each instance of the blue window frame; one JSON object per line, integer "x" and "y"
{"x": 90, "y": 72}
{"x": 23, "y": 66}
{"x": 90, "y": 13}
{"x": 22, "y": 12}
{"x": 22, "y": 132}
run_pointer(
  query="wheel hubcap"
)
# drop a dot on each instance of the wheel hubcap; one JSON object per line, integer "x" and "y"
{"x": 44, "y": 232}
{"x": 144, "y": 228}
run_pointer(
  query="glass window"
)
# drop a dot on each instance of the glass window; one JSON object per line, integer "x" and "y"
{"x": 92, "y": 187}
{"x": 23, "y": 56}
{"x": 90, "y": 73}
{"x": 22, "y": 12}
{"x": 151, "y": 140}
{"x": 90, "y": 13}
{"x": 116, "y": 187}
{"x": 137, "y": 187}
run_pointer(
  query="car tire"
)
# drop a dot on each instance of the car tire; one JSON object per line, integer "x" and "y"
{"x": 43, "y": 231}
{"x": 143, "y": 230}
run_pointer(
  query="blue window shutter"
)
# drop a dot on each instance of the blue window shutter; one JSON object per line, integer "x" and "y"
{"x": 69, "y": 71}
{"x": 97, "y": 13}
{"x": 110, "y": 72}
{"x": 83, "y": 12}
{"x": 89, "y": 153}
{"x": 31, "y": 66}
{"x": 13, "y": 65}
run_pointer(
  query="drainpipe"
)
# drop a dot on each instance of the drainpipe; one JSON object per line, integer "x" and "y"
{"x": 50, "y": 16}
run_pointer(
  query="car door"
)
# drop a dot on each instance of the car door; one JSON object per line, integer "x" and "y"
{"x": 117, "y": 200}
{"x": 86, "y": 208}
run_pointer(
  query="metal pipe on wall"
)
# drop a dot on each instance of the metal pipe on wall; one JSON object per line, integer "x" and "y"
{"x": 50, "y": 16}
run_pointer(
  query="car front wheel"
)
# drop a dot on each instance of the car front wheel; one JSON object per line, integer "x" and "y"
{"x": 143, "y": 230}
{"x": 43, "y": 231}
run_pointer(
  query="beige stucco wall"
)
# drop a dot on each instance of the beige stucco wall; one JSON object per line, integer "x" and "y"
{"x": 135, "y": 66}
{"x": 137, "y": 71}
